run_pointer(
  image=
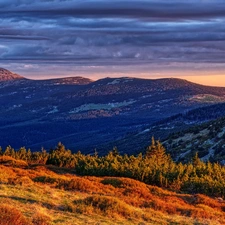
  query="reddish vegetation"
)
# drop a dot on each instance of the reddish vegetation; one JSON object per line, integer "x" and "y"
{"x": 108, "y": 196}
{"x": 11, "y": 216}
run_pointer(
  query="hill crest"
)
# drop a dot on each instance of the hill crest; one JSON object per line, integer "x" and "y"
{"x": 6, "y": 75}
{"x": 168, "y": 83}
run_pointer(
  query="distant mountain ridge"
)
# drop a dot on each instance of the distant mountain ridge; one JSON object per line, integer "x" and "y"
{"x": 85, "y": 114}
{"x": 71, "y": 80}
{"x": 6, "y": 75}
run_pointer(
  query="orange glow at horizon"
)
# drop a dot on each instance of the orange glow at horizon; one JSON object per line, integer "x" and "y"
{"x": 210, "y": 80}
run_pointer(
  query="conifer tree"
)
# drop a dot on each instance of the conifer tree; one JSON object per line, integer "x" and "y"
{"x": 151, "y": 149}
{"x": 157, "y": 151}
{"x": 195, "y": 160}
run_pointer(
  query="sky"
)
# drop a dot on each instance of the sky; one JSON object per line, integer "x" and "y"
{"x": 110, "y": 38}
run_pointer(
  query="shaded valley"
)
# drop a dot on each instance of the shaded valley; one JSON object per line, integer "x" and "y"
{"x": 87, "y": 115}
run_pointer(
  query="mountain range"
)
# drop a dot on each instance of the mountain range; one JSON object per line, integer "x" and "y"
{"x": 87, "y": 115}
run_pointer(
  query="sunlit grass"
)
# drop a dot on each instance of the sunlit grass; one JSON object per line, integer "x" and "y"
{"x": 43, "y": 196}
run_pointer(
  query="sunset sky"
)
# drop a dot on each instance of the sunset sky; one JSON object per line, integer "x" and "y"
{"x": 99, "y": 38}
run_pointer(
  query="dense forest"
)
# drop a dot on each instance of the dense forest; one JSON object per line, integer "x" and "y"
{"x": 155, "y": 167}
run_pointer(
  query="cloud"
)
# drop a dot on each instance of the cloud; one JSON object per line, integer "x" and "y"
{"x": 18, "y": 37}
{"x": 177, "y": 9}
{"x": 103, "y": 33}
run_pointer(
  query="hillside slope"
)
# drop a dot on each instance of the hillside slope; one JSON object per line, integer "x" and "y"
{"x": 207, "y": 139}
{"x": 50, "y": 195}
{"x": 177, "y": 125}
{"x": 81, "y": 113}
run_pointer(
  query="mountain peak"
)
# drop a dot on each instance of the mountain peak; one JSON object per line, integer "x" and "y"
{"x": 6, "y": 75}
{"x": 71, "y": 80}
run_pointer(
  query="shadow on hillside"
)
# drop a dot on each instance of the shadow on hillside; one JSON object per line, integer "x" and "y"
{"x": 61, "y": 170}
{"x": 55, "y": 169}
{"x": 26, "y": 200}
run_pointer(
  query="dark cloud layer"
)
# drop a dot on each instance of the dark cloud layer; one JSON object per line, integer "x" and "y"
{"x": 98, "y": 35}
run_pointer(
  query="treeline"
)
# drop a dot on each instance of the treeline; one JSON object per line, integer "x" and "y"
{"x": 155, "y": 167}
{"x": 201, "y": 114}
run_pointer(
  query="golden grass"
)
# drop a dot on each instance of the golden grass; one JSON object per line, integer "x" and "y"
{"x": 41, "y": 219}
{"x": 10, "y": 215}
{"x": 46, "y": 195}
{"x": 9, "y": 161}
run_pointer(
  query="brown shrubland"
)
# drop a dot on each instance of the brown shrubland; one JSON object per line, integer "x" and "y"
{"x": 9, "y": 215}
{"x": 61, "y": 196}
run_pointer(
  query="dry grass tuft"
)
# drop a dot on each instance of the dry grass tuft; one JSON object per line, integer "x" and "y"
{"x": 79, "y": 184}
{"x": 9, "y": 161}
{"x": 41, "y": 219}
{"x": 106, "y": 205}
{"x": 202, "y": 199}
{"x": 11, "y": 216}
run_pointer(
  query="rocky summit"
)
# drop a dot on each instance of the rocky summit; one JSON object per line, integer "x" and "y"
{"x": 6, "y": 75}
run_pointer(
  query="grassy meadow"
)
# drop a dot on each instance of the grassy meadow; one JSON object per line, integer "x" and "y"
{"x": 45, "y": 194}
